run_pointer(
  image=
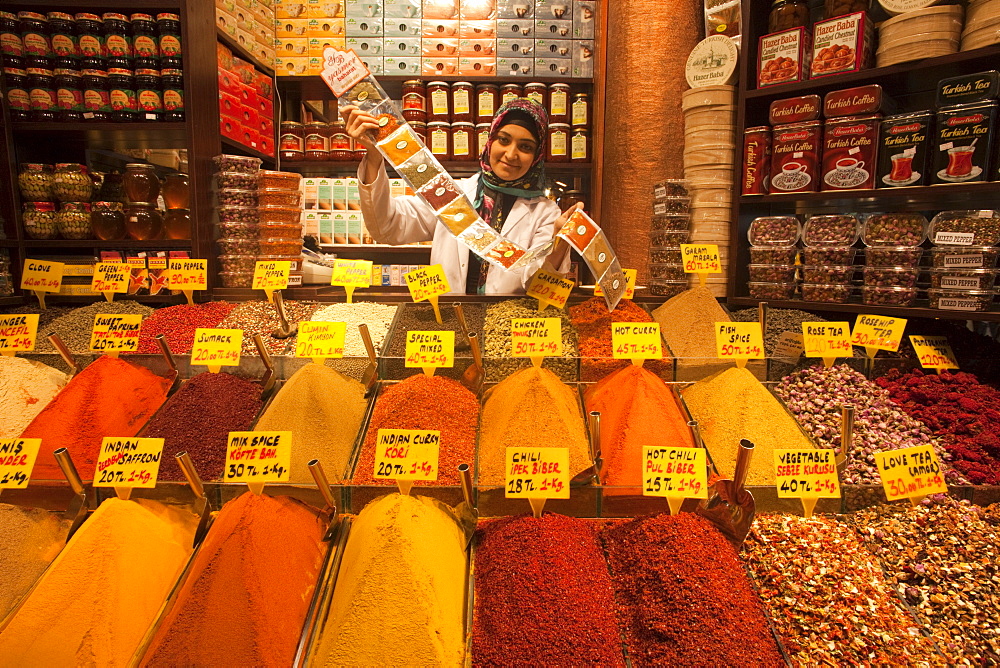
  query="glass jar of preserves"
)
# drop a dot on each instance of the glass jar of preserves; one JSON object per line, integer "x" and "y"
{"x": 121, "y": 91}
{"x": 580, "y": 110}
{"x": 35, "y": 39}
{"x": 143, "y": 222}
{"x": 42, "y": 94}
{"x": 11, "y": 46}
{"x": 317, "y": 141}
{"x": 35, "y": 182}
{"x": 18, "y": 97}
{"x": 148, "y": 94}
{"x": 359, "y": 152}
{"x": 487, "y": 102}
{"x": 558, "y": 103}
{"x": 117, "y": 40}
{"x": 461, "y": 102}
{"x": 39, "y": 220}
{"x": 72, "y": 183}
{"x": 420, "y": 129}
{"x": 177, "y": 224}
{"x": 463, "y": 141}
{"x": 169, "y": 28}
{"x": 141, "y": 183}
{"x": 73, "y": 220}
{"x": 62, "y": 30}
{"x": 176, "y": 191}
{"x": 291, "y": 145}
{"x": 145, "y": 45}
{"x": 439, "y": 139}
{"x": 107, "y": 221}
{"x": 340, "y": 142}
{"x": 482, "y": 137}
{"x": 112, "y": 188}
{"x": 414, "y": 102}
{"x": 579, "y": 145}
{"x": 788, "y": 14}
{"x": 96, "y": 96}
{"x": 558, "y": 144}
{"x": 90, "y": 41}
{"x": 509, "y": 92}
{"x": 832, "y": 8}
{"x": 536, "y": 91}
{"x": 173, "y": 95}
{"x": 439, "y": 109}
{"x": 69, "y": 95}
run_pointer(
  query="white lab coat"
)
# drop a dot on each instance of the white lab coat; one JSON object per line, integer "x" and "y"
{"x": 408, "y": 219}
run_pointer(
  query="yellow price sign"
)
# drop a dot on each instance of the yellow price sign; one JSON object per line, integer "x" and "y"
{"x": 741, "y": 341}
{"x": 407, "y": 454}
{"x": 128, "y": 462}
{"x": 321, "y": 340}
{"x": 674, "y": 473}
{"x": 430, "y": 350}
{"x": 630, "y": 278}
{"x": 18, "y": 333}
{"x": 910, "y": 473}
{"x": 536, "y": 337}
{"x": 42, "y": 276}
{"x": 217, "y": 348}
{"x": 934, "y": 352}
{"x": 187, "y": 274}
{"x": 537, "y": 473}
{"x": 110, "y": 278}
{"x": 258, "y": 457}
{"x": 17, "y": 459}
{"x": 351, "y": 274}
{"x": 808, "y": 474}
{"x": 549, "y": 288}
{"x": 878, "y": 332}
{"x": 701, "y": 258}
{"x": 115, "y": 333}
{"x": 828, "y": 340}
{"x": 270, "y": 276}
{"x": 636, "y": 340}
{"x": 427, "y": 282}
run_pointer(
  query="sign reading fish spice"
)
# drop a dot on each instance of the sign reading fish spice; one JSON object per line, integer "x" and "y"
{"x": 740, "y": 341}
{"x": 674, "y": 473}
{"x": 17, "y": 458}
{"x": 807, "y": 474}
{"x": 258, "y": 457}
{"x": 18, "y": 333}
{"x": 910, "y": 473}
{"x": 128, "y": 462}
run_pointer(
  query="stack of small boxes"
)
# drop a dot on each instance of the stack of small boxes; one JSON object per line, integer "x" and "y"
{"x": 440, "y": 37}
{"x": 669, "y": 229}
{"x": 251, "y": 24}
{"x": 246, "y": 103}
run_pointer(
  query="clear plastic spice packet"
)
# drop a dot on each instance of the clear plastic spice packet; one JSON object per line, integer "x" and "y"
{"x": 478, "y": 237}
{"x": 458, "y": 215}
{"x": 440, "y": 191}
{"x": 366, "y": 95}
{"x": 400, "y": 146}
{"x": 420, "y": 169}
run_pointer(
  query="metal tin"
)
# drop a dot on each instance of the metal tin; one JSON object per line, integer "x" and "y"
{"x": 964, "y": 141}
{"x": 904, "y": 144}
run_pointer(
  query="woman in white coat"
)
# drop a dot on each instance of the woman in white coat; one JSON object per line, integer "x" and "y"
{"x": 507, "y": 193}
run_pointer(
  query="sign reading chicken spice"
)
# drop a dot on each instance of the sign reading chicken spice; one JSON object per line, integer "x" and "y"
{"x": 536, "y": 338}
{"x": 809, "y": 475}
{"x": 124, "y": 463}
{"x": 18, "y": 333}
{"x": 17, "y": 458}
{"x": 674, "y": 473}
{"x": 934, "y": 352}
{"x": 910, "y": 473}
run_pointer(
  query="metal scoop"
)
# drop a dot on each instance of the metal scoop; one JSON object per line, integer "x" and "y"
{"x": 592, "y": 473}
{"x": 474, "y": 374}
{"x": 330, "y": 511}
{"x": 202, "y": 508}
{"x": 460, "y": 314}
{"x": 468, "y": 514}
{"x": 268, "y": 378}
{"x": 79, "y": 507}
{"x": 370, "y": 375}
{"x": 64, "y": 352}
{"x": 846, "y": 437}
{"x": 285, "y": 328}
{"x": 732, "y": 508}
{"x": 174, "y": 375}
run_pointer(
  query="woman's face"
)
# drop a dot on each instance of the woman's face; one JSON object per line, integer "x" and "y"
{"x": 512, "y": 152}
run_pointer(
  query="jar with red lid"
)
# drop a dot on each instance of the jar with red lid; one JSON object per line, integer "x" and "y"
{"x": 509, "y": 92}
{"x": 461, "y": 102}
{"x": 558, "y": 144}
{"x": 414, "y": 101}
{"x": 537, "y": 92}
{"x": 291, "y": 145}
{"x": 438, "y": 102}
{"x": 580, "y": 110}
{"x": 359, "y": 152}
{"x": 35, "y": 38}
{"x": 96, "y": 96}
{"x": 487, "y": 102}
{"x": 482, "y": 137}
{"x": 419, "y": 129}
{"x": 579, "y": 145}
{"x": 463, "y": 141}
{"x": 558, "y": 103}
{"x": 439, "y": 139}
{"x": 341, "y": 149}
{"x": 317, "y": 141}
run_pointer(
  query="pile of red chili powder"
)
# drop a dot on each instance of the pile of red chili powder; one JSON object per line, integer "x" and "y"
{"x": 961, "y": 411}
{"x": 543, "y": 595}
{"x": 683, "y": 596}
{"x": 593, "y": 323}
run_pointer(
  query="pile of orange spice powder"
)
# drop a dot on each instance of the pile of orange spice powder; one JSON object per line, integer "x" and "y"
{"x": 593, "y": 323}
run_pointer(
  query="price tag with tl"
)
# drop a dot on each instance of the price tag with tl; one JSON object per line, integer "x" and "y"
{"x": 934, "y": 352}
{"x": 637, "y": 341}
{"x": 878, "y": 332}
{"x": 110, "y": 278}
{"x": 18, "y": 333}
{"x": 428, "y": 283}
{"x": 701, "y": 259}
{"x": 187, "y": 275}
{"x": 270, "y": 276}
{"x": 258, "y": 457}
{"x": 549, "y": 288}
{"x": 430, "y": 350}
{"x": 537, "y": 474}
{"x": 809, "y": 474}
{"x": 741, "y": 341}
{"x": 536, "y": 338}
{"x": 17, "y": 459}
{"x": 125, "y": 463}
{"x": 217, "y": 348}
{"x": 115, "y": 333}
{"x": 910, "y": 473}
{"x": 41, "y": 276}
{"x": 674, "y": 473}
{"x": 351, "y": 274}
{"x": 320, "y": 340}
{"x": 828, "y": 340}
{"x": 405, "y": 455}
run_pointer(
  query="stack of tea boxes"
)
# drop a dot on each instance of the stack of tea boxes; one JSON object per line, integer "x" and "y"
{"x": 553, "y": 38}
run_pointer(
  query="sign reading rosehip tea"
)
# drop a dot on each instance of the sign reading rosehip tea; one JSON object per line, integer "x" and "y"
{"x": 217, "y": 348}
{"x": 537, "y": 473}
{"x": 110, "y": 278}
{"x": 42, "y": 276}
{"x": 18, "y": 332}
{"x": 17, "y": 459}
{"x": 807, "y": 474}
{"x": 934, "y": 352}
{"x": 636, "y": 340}
{"x": 910, "y": 473}
{"x": 674, "y": 473}
{"x": 536, "y": 337}
{"x": 630, "y": 278}
{"x": 549, "y": 288}
{"x": 258, "y": 457}
{"x": 115, "y": 333}
{"x": 740, "y": 341}
{"x": 187, "y": 274}
{"x": 828, "y": 340}
{"x": 407, "y": 454}
{"x": 320, "y": 340}
{"x": 128, "y": 462}
{"x": 430, "y": 349}
{"x": 878, "y": 332}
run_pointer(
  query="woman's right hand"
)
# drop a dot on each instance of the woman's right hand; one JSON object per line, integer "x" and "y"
{"x": 360, "y": 125}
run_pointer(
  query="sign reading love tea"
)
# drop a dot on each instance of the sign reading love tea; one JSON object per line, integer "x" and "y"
{"x": 910, "y": 473}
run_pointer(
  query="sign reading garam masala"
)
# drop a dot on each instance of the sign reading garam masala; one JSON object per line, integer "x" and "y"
{"x": 740, "y": 341}
{"x": 217, "y": 348}
{"x": 878, "y": 332}
{"x": 18, "y": 332}
{"x": 910, "y": 473}
{"x": 934, "y": 352}
{"x": 258, "y": 457}
{"x": 537, "y": 473}
{"x": 17, "y": 459}
{"x": 701, "y": 258}
{"x": 42, "y": 276}
{"x": 128, "y": 462}
{"x": 430, "y": 349}
{"x": 636, "y": 340}
{"x": 674, "y": 473}
{"x": 630, "y": 278}
{"x": 549, "y": 288}
{"x": 115, "y": 333}
{"x": 809, "y": 474}
{"x": 110, "y": 278}
{"x": 320, "y": 340}
{"x": 407, "y": 454}
{"x": 535, "y": 337}
{"x": 828, "y": 340}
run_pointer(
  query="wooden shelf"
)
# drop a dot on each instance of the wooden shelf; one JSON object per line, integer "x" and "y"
{"x": 913, "y": 198}
{"x": 155, "y": 244}
{"x": 893, "y": 311}
{"x": 9, "y": 243}
{"x": 373, "y": 248}
{"x": 15, "y": 300}
{"x": 242, "y": 52}
{"x": 314, "y": 88}
{"x": 465, "y": 166}
{"x": 233, "y": 145}
{"x": 126, "y": 135}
